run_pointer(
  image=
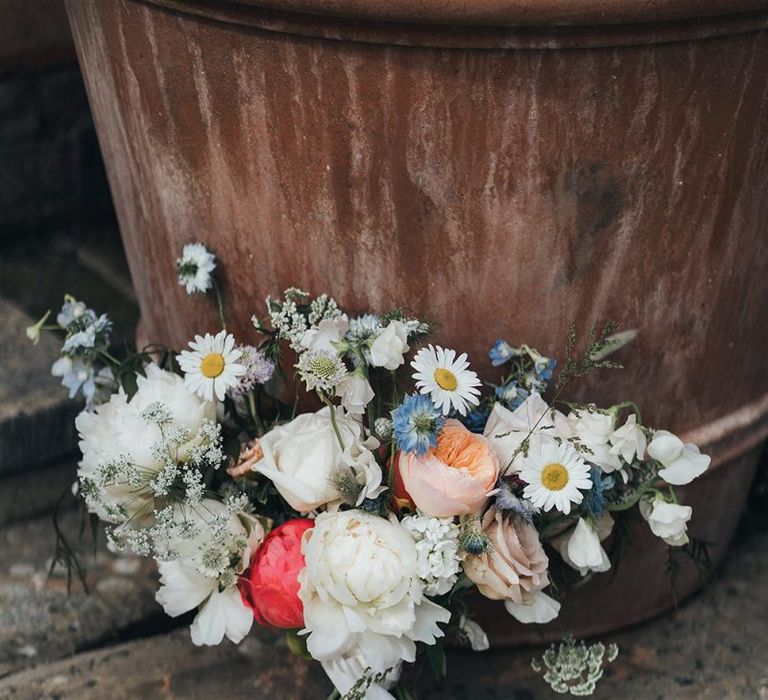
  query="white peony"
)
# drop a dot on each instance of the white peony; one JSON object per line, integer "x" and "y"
{"x": 355, "y": 393}
{"x": 362, "y": 593}
{"x": 681, "y": 462}
{"x": 196, "y": 550}
{"x": 628, "y": 441}
{"x": 322, "y": 338}
{"x": 301, "y": 456}
{"x": 581, "y": 549}
{"x": 506, "y": 430}
{"x": 667, "y": 520}
{"x": 594, "y": 428}
{"x": 388, "y": 348}
{"x": 117, "y": 431}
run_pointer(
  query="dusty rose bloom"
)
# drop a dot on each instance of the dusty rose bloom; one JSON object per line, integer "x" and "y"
{"x": 250, "y": 453}
{"x": 515, "y": 566}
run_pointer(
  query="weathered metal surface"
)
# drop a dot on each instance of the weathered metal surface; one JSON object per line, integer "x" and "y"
{"x": 500, "y": 191}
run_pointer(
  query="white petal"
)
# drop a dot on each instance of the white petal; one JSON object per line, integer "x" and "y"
{"x": 543, "y": 609}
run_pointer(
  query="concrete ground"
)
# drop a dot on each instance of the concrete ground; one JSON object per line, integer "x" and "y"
{"x": 116, "y": 643}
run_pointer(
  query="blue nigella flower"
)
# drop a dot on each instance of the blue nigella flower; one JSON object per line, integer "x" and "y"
{"x": 594, "y": 499}
{"x": 501, "y": 352}
{"x": 416, "y": 423}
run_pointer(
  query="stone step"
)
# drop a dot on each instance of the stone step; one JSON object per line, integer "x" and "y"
{"x": 712, "y": 648}
{"x": 36, "y": 417}
{"x": 41, "y": 621}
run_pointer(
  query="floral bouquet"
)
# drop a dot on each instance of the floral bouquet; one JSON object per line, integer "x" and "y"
{"x": 361, "y": 526}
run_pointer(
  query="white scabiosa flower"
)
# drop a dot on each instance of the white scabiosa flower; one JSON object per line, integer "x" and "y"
{"x": 212, "y": 366}
{"x": 195, "y": 267}
{"x": 321, "y": 370}
{"x": 446, "y": 378}
{"x": 554, "y": 474}
{"x": 437, "y": 545}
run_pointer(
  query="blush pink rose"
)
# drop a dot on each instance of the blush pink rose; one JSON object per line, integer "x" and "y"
{"x": 270, "y": 586}
{"x": 455, "y": 478}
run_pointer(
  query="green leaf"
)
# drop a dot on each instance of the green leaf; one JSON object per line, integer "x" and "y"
{"x": 437, "y": 661}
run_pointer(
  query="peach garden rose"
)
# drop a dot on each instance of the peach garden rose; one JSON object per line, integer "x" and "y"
{"x": 455, "y": 478}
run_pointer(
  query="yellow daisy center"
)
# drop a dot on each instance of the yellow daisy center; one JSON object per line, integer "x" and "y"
{"x": 554, "y": 476}
{"x": 446, "y": 379}
{"x": 212, "y": 365}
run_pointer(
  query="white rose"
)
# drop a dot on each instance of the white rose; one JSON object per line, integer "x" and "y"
{"x": 628, "y": 441}
{"x": 355, "y": 393}
{"x": 582, "y": 550}
{"x": 322, "y": 337}
{"x": 506, "y": 430}
{"x": 667, "y": 520}
{"x": 362, "y": 593}
{"x": 594, "y": 430}
{"x": 682, "y": 462}
{"x": 300, "y": 457}
{"x": 389, "y": 346}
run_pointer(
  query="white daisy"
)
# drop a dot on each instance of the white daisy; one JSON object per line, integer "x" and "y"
{"x": 213, "y": 366}
{"x": 446, "y": 378}
{"x": 195, "y": 267}
{"x": 554, "y": 475}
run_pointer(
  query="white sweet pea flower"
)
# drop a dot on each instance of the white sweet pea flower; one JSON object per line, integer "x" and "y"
{"x": 362, "y": 593}
{"x": 355, "y": 393}
{"x": 539, "y": 611}
{"x": 506, "y": 430}
{"x": 388, "y": 348}
{"x": 594, "y": 430}
{"x": 345, "y": 671}
{"x": 301, "y": 456}
{"x": 628, "y": 441}
{"x": 682, "y": 462}
{"x": 476, "y": 636}
{"x": 582, "y": 550}
{"x": 667, "y": 520}
{"x": 322, "y": 338}
{"x": 359, "y": 458}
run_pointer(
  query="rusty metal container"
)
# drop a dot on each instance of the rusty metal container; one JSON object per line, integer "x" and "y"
{"x": 502, "y": 166}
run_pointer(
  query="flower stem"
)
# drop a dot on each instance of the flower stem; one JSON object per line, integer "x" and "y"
{"x": 220, "y": 304}
{"x": 106, "y": 355}
{"x": 335, "y": 425}
{"x": 255, "y": 414}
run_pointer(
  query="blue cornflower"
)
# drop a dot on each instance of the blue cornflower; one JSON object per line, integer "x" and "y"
{"x": 416, "y": 423}
{"x": 501, "y": 352}
{"x": 594, "y": 499}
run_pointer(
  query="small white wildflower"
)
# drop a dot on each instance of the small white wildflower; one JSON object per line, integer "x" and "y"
{"x": 320, "y": 370}
{"x": 194, "y": 488}
{"x": 383, "y": 428}
{"x": 437, "y": 545}
{"x": 195, "y": 267}
{"x": 573, "y": 666}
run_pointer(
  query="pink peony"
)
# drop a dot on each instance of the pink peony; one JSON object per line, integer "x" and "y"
{"x": 455, "y": 478}
{"x": 270, "y": 586}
